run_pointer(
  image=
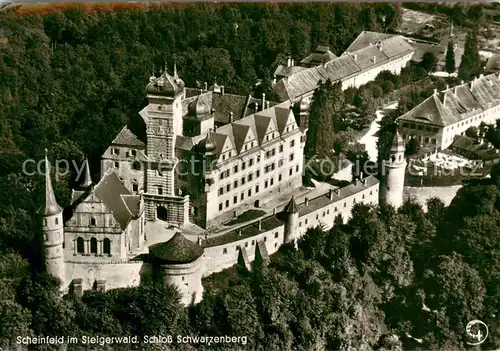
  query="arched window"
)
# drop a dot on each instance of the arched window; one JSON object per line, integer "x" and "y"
{"x": 93, "y": 245}
{"x": 79, "y": 245}
{"x": 107, "y": 246}
{"x": 393, "y": 158}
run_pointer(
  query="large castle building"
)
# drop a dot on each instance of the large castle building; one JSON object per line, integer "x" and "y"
{"x": 199, "y": 156}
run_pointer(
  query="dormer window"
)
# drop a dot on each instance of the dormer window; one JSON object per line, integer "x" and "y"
{"x": 133, "y": 152}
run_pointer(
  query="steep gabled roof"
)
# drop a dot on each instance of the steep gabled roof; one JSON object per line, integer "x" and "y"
{"x": 110, "y": 190}
{"x": 127, "y": 138}
{"x": 262, "y": 123}
{"x": 240, "y": 133}
{"x": 282, "y": 115}
{"x": 367, "y": 38}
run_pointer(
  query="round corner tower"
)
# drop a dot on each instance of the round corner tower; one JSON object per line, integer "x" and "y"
{"x": 393, "y": 173}
{"x": 292, "y": 218}
{"x": 53, "y": 231}
{"x": 180, "y": 262}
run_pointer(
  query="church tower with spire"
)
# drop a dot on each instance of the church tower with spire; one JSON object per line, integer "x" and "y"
{"x": 393, "y": 173}
{"x": 53, "y": 230}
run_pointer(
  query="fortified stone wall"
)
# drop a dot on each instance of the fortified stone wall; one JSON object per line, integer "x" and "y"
{"x": 116, "y": 275}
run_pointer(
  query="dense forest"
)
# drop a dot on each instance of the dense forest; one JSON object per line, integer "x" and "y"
{"x": 72, "y": 76}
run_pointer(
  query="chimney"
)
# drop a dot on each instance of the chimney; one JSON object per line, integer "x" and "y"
{"x": 379, "y": 45}
{"x": 435, "y": 92}
{"x": 330, "y": 194}
{"x": 306, "y": 201}
{"x": 337, "y": 191}
{"x": 274, "y": 79}
{"x": 360, "y": 175}
{"x": 199, "y": 240}
{"x": 374, "y": 59}
{"x": 212, "y": 111}
{"x": 289, "y": 62}
{"x": 256, "y": 107}
{"x": 447, "y": 87}
{"x": 267, "y": 104}
{"x": 239, "y": 232}
{"x": 222, "y": 89}
{"x": 274, "y": 211}
{"x": 355, "y": 57}
{"x": 263, "y": 101}
{"x": 231, "y": 117}
{"x": 455, "y": 90}
{"x": 260, "y": 225}
{"x": 481, "y": 75}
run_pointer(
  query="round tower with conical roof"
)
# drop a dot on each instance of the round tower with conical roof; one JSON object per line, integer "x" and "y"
{"x": 393, "y": 172}
{"x": 291, "y": 221}
{"x": 53, "y": 230}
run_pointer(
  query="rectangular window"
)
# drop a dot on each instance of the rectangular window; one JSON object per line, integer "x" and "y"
{"x": 257, "y": 173}
{"x": 272, "y": 181}
{"x": 117, "y": 165}
{"x": 227, "y": 203}
{"x": 256, "y": 189}
{"x": 258, "y": 158}
{"x": 224, "y": 251}
{"x": 235, "y": 184}
{"x": 235, "y": 199}
{"x": 290, "y": 171}
{"x": 243, "y": 166}
{"x": 235, "y": 170}
{"x": 290, "y": 158}
{"x": 276, "y": 235}
{"x": 220, "y": 207}
{"x": 292, "y": 143}
{"x": 160, "y": 190}
{"x": 249, "y": 192}
{"x": 281, "y": 148}
{"x": 227, "y": 173}
{"x": 242, "y": 196}
{"x": 297, "y": 168}
{"x": 250, "y": 162}
{"x": 221, "y": 191}
{"x": 228, "y": 187}
{"x": 243, "y": 181}
{"x": 279, "y": 178}
{"x": 250, "y": 177}
{"x": 266, "y": 184}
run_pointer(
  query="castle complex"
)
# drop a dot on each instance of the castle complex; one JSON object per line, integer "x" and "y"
{"x": 201, "y": 156}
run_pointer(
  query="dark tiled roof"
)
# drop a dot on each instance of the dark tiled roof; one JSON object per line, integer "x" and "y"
{"x": 247, "y": 231}
{"x": 318, "y": 57}
{"x": 324, "y": 200}
{"x": 343, "y": 67}
{"x": 285, "y": 71}
{"x": 133, "y": 203}
{"x": 224, "y": 104}
{"x": 366, "y": 38}
{"x": 456, "y": 104}
{"x": 477, "y": 150}
{"x": 493, "y": 63}
{"x": 110, "y": 190}
{"x": 177, "y": 250}
{"x": 127, "y": 138}
{"x": 291, "y": 207}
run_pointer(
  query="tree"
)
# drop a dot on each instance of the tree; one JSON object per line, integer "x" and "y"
{"x": 429, "y": 62}
{"x": 471, "y": 132}
{"x": 470, "y": 66}
{"x": 412, "y": 147}
{"x": 450, "y": 58}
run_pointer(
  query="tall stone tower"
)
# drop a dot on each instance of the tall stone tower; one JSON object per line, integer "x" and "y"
{"x": 393, "y": 173}
{"x": 163, "y": 118}
{"x": 53, "y": 230}
{"x": 292, "y": 218}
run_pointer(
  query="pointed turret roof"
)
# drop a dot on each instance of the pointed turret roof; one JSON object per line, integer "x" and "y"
{"x": 50, "y": 206}
{"x": 87, "y": 179}
{"x": 398, "y": 144}
{"x": 291, "y": 207}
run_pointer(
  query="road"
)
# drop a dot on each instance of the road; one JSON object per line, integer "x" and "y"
{"x": 370, "y": 138}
